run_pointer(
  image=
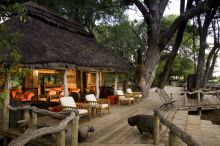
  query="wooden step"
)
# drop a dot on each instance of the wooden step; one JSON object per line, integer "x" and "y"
{"x": 209, "y": 133}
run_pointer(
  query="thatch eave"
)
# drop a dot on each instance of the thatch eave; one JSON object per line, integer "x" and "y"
{"x": 52, "y": 42}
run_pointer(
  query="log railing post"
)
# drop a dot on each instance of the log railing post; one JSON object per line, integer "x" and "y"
{"x": 199, "y": 97}
{"x": 61, "y": 138}
{"x": 26, "y": 115}
{"x": 173, "y": 139}
{"x": 185, "y": 98}
{"x": 75, "y": 127}
{"x": 156, "y": 131}
{"x": 217, "y": 94}
{"x": 34, "y": 120}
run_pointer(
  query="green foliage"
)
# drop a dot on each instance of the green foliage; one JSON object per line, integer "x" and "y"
{"x": 9, "y": 41}
{"x": 8, "y": 46}
{"x": 88, "y": 13}
{"x": 121, "y": 38}
{"x": 181, "y": 67}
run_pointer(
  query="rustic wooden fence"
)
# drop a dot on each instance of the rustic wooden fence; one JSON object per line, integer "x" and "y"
{"x": 33, "y": 133}
{"x": 175, "y": 132}
{"x": 199, "y": 94}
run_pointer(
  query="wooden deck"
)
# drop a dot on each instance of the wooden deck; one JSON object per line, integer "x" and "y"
{"x": 113, "y": 129}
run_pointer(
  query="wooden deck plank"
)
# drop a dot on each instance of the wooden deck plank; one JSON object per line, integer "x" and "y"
{"x": 113, "y": 129}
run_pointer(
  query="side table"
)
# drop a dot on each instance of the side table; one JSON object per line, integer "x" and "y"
{"x": 113, "y": 99}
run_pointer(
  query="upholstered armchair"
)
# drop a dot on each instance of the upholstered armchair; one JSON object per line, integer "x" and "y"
{"x": 69, "y": 104}
{"x": 137, "y": 95}
{"x": 124, "y": 98}
{"x": 98, "y": 104}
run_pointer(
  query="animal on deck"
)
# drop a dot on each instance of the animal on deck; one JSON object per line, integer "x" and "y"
{"x": 83, "y": 132}
{"x": 144, "y": 123}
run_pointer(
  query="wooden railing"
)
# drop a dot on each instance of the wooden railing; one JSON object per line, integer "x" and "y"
{"x": 33, "y": 133}
{"x": 175, "y": 132}
{"x": 199, "y": 93}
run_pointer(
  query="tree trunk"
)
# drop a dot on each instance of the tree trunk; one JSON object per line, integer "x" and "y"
{"x": 153, "y": 56}
{"x": 153, "y": 52}
{"x": 213, "y": 65}
{"x": 201, "y": 58}
{"x": 167, "y": 68}
{"x": 210, "y": 58}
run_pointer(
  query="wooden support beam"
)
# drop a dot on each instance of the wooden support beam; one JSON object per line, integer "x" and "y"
{"x": 97, "y": 84}
{"x": 156, "y": 135}
{"x": 75, "y": 127}
{"x": 5, "y": 124}
{"x": 65, "y": 84}
{"x": 116, "y": 84}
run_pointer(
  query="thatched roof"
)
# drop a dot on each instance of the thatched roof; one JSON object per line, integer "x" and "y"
{"x": 50, "y": 41}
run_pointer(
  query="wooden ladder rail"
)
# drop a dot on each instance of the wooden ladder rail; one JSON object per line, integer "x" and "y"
{"x": 175, "y": 132}
{"x": 32, "y": 133}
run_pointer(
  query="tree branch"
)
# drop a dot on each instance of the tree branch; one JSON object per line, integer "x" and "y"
{"x": 162, "y": 6}
{"x": 203, "y": 7}
{"x": 143, "y": 10}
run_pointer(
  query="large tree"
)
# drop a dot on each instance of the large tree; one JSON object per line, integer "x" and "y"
{"x": 153, "y": 10}
{"x": 203, "y": 31}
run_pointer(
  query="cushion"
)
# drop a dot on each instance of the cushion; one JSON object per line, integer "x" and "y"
{"x": 55, "y": 100}
{"x": 119, "y": 92}
{"x": 42, "y": 99}
{"x": 82, "y": 111}
{"x": 52, "y": 92}
{"x": 105, "y": 105}
{"x": 67, "y": 101}
{"x": 90, "y": 97}
{"x": 124, "y": 98}
{"x": 28, "y": 95}
{"x": 128, "y": 90}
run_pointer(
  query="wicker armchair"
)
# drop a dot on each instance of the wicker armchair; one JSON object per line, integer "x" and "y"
{"x": 69, "y": 104}
{"x": 124, "y": 98}
{"x": 98, "y": 104}
{"x": 137, "y": 95}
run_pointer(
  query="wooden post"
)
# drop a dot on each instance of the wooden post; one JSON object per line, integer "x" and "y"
{"x": 200, "y": 111}
{"x": 5, "y": 141}
{"x": 199, "y": 97}
{"x": 61, "y": 138}
{"x": 185, "y": 98}
{"x": 173, "y": 139}
{"x": 65, "y": 84}
{"x": 5, "y": 124}
{"x": 218, "y": 94}
{"x": 81, "y": 81}
{"x": 34, "y": 120}
{"x": 116, "y": 83}
{"x": 97, "y": 84}
{"x": 26, "y": 115}
{"x": 156, "y": 136}
{"x": 75, "y": 127}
